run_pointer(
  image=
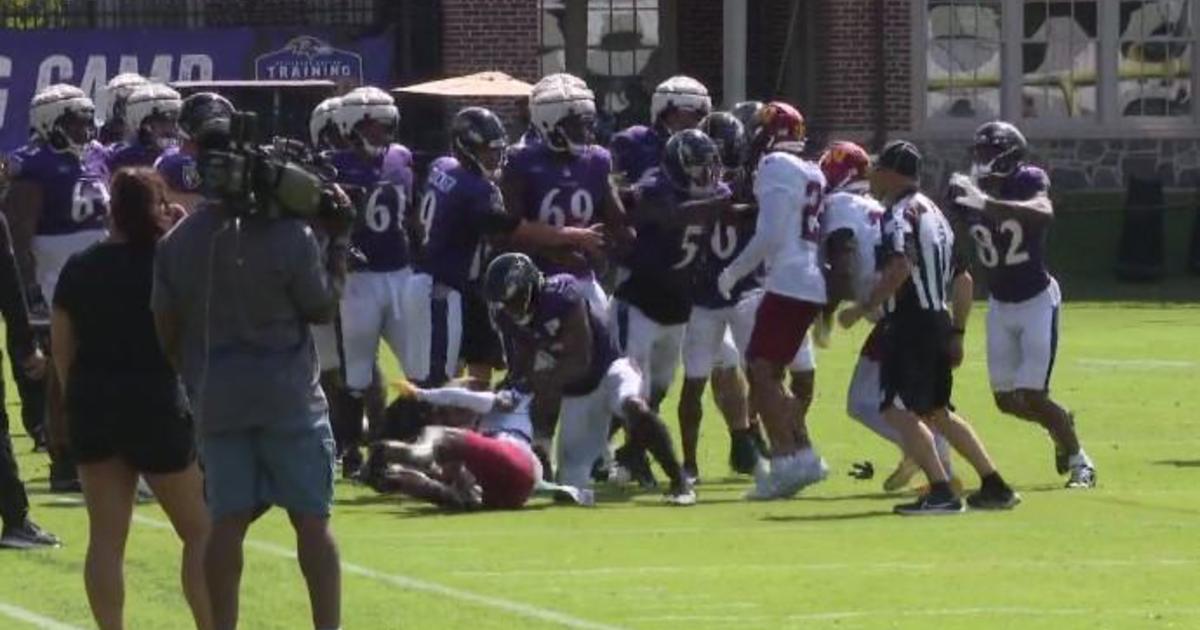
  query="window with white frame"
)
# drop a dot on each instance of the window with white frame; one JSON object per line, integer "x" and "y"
{"x": 1065, "y": 64}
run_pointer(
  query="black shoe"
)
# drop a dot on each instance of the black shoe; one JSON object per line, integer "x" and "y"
{"x": 929, "y": 505}
{"x": 352, "y": 463}
{"x": 27, "y": 535}
{"x": 994, "y": 498}
{"x": 66, "y": 485}
{"x": 743, "y": 452}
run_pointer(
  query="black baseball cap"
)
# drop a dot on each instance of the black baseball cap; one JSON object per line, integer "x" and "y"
{"x": 900, "y": 157}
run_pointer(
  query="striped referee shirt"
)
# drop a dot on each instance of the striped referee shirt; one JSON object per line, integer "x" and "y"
{"x": 915, "y": 227}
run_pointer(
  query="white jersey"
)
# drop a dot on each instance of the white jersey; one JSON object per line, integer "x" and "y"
{"x": 787, "y": 236}
{"x": 851, "y": 208}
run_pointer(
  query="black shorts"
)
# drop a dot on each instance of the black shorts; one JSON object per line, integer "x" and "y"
{"x": 144, "y": 421}
{"x": 915, "y": 372}
{"x": 480, "y": 343}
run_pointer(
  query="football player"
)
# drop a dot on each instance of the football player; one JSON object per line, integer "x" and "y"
{"x": 56, "y": 203}
{"x": 377, "y": 174}
{"x": 789, "y": 191}
{"x": 558, "y": 342}
{"x": 462, "y": 212}
{"x": 152, "y": 118}
{"x": 1006, "y": 205}
{"x": 678, "y": 103}
{"x": 115, "y": 93}
{"x": 850, "y": 236}
{"x": 177, "y": 165}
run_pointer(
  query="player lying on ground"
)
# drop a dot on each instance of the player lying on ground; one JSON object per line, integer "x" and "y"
{"x": 477, "y": 453}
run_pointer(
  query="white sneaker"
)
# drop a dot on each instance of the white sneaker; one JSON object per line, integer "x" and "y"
{"x": 683, "y": 498}
{"x": 766, "y": 486}
{"x": 798, "y": 472}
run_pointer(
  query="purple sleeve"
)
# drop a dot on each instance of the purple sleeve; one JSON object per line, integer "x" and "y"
{"x": 1030, "y": 182}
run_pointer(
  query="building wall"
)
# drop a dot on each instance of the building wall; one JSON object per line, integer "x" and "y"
{"x": 490, "y": 35}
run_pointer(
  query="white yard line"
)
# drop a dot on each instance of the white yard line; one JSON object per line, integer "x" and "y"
{"x": 1138, "y": 364}
{"x": 33, "y": 619}
{"x": 992, "y": 611}
{"x": 833, "y": 566}
{"x": 413, "y": 584}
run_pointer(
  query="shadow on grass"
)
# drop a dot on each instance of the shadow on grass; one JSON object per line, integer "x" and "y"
{"x": 1178, "y": 463}
{"x": 819, "y": 518}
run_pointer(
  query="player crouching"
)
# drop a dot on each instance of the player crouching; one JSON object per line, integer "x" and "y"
{"x": 562, "y": 345}
{"x": 489, "y": 466}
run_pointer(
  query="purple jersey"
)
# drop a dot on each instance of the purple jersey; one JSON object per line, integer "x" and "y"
{"x": 132, "y": 154}
{"x": 558, "y": 296}
{"x": 380, "y": 189}
{"x": 178, "y": 169}
{"x": 1013, "y": 248}
{"x": 658, "y": 282}
{"x": 561, "y": 192}
{"x": 455, "y": 211}
{"x": 637, "y": 150}
{"x": 74, "y": 189}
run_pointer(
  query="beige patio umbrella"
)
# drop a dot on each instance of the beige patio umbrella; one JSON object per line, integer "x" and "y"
{"x": 491, "y": 83}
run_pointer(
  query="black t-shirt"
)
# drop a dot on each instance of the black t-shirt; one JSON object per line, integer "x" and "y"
{"x": 106, "y": 291}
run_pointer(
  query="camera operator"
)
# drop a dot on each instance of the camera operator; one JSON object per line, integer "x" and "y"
{"x": 236, "y": 289}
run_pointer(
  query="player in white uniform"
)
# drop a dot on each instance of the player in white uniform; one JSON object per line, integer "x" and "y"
{"x": 850, "y": 235}
{"x": 790, "y": 192}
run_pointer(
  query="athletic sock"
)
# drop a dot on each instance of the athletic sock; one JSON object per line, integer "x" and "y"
{"x": 1080, "y": 459}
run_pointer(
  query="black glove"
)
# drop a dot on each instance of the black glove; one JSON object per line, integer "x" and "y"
{"x": 863, "y": 470}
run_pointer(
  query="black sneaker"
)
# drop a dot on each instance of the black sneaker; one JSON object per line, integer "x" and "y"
{"x": 994, "y": 498}
{"x": 929, "y": 505}
{"x": 27, "y": 535}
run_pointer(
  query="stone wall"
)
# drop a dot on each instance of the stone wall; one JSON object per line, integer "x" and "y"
{"x": 1086, "y": 164}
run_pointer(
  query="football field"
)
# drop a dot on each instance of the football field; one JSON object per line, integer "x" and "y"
{"x": 1125, "y": 555}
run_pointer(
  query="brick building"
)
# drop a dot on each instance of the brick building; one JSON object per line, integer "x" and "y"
{"x": 1102, "y": 88}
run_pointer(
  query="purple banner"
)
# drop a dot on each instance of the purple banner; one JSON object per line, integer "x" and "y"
{"x": 31, "y": 60}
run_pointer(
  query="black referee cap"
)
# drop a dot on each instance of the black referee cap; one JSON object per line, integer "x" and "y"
{"x": 900, "y": 157}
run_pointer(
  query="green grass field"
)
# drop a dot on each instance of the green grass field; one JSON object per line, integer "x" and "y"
{"x": 1126, "y": 555}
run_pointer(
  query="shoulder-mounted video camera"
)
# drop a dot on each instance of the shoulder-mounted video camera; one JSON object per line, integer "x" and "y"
{"x": 276, "y": 180}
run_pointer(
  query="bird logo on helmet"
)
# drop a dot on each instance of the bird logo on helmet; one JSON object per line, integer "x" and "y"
{"x": 780, "y": 126}
{"x": 844, "y": 163}
{"x": 368, "y": 119}
{"x": 63, "y": 117}
{"x": 563, "y": 111}
{"x": 152, "y": 115}
{"x": 479, "y": 139}
{"x": 509, "y": 285}
{"x": 322, "y": 130}
{"x": 692, "y": 162}
{"x": 998, "y": 151}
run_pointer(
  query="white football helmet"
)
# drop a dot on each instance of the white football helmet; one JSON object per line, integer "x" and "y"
{"x": 563, "y": 111}
{"x": 117, "y": 92}
{"x": 321, "y": 119}
{"x": 366, "y": 103}
{"x": 681, "y": 92}
{"x": 146, "y": 104}
{"x": 52, "y": 112}
{"x": 558, "y": 78}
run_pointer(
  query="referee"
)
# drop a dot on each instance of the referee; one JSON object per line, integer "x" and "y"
{"x": 919, "y": 336}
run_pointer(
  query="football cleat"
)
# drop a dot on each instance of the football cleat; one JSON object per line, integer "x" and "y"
{"x": 682, "y": 495}
{"x": 743, "y": 452}
{"x": 1004, "y": 498}
{"x": 1082, "y": 477}
{"x": 928, "y": 505}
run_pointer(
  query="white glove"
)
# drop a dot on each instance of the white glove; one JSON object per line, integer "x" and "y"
{"x": 970, "y": 195}
{"x": 725, "y": 283}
